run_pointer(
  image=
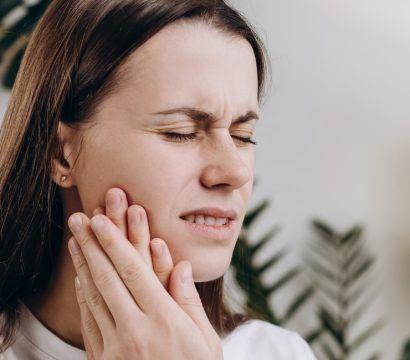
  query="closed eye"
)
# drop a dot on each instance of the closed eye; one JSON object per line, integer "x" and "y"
{"x": 192, "y": 136}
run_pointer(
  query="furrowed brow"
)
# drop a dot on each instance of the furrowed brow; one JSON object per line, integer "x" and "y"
{"x": 199, "y": 115}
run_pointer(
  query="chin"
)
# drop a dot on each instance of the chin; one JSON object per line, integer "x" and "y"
{"x": 206, "y": 270}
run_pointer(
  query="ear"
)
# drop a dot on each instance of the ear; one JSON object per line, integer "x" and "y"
{"x": 62, "y": 168}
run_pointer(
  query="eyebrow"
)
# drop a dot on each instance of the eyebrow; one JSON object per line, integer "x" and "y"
{"x": 204, "y": 116}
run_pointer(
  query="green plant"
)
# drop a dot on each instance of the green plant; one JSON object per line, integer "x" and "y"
{"x": 339, "y": 262}
{"x": 248, "y": 276}
{"x": 406, "y": 351}
{"x": 14, "y": 34}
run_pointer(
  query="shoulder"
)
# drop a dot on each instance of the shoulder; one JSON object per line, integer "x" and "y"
{"x": 257, "y": 339}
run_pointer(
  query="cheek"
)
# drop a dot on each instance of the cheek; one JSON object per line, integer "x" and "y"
{"x": 147, "y": 170}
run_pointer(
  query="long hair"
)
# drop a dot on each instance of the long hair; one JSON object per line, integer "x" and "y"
{"x": 72, "y": 61}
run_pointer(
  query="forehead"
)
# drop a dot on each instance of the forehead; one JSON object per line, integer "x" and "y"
{"x": 192, "y": 64}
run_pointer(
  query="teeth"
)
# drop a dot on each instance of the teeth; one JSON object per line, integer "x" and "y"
{"x": 191, "y": 218}
{"x": 199, "y": 219}
{"x": 207, "y": 220}
{"x": 221, "y": 221}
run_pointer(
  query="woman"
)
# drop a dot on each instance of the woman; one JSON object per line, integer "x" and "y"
{"x": 140, "y": 114}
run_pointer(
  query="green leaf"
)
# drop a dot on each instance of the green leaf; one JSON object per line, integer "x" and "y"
{"x": 288, "y": 276}
{"x": 374, "y": 357}
{"x": 352, "y": 235}
{"x": 6, "y": 6}
{"x": 321, "y": 270}
{"x": 406, "y": 351}
{"x": 339, "y": 264}
{"x": 352, "y": 319}
{"x": 269, "y": 263}
{"x": 265, "y": 238}
{"x": 327, "y": 290}
{"x": 366, "y": 334}
{"x": 298, "y": 302}
{"x": 332, "y": 326}
{"x": 356, "y": 294}
{"x": 328, "y": 351}
{"x": 322, "y": 228}
{"x": 253, "y": 214}
{"x": 326, "y": 233}
{"x": 313, "y": 335}
{"x": 351, "y": 258}
{"x": 360, "y": 270}
{"x": 20, "y": 28}
{"x": 321, "y": 252}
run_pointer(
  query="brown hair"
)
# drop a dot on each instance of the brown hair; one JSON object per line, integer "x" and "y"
{"x": 71, "y": 63}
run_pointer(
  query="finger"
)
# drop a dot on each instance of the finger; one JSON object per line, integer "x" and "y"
{"x": 98, "y": 210}
{"x": 106, "y": 286}
{"x": 87, "y": 345}
{"x": 116, "y": 205}
{"x": 91, "y": 333}
{"x": 161, "y": 260}
{"x": 140, "y": 280}
{"x": 182, "y": 289}
{"x": 93, "y": 298}
{"x": 138, "y": 232}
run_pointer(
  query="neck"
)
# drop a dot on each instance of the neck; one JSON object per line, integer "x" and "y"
{"x": 56, "y": 307}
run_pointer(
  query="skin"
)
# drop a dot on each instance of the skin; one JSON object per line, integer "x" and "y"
{"x": 185, "y": 64}
{"x": 123, "y": 303}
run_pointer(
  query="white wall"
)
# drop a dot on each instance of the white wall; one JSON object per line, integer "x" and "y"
{"x": 334, "y": 138}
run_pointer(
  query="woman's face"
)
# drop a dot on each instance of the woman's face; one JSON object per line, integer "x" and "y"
{"x": 184, "y": 65}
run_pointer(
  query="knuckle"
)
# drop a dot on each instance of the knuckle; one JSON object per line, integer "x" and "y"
{"x": 81, "y": 301}
{"x": 191, "y": 301}
{"x": 161, "y": 266}
{"x": 117, "y": 220}
{"x": 86, "y": 238}
{"x": 130, "y": 273}
{"x": 94, "y": 299}
{"x": 89, "y": 325}
{"x": 104, "y": 278}
{"x": 79, "y": 261}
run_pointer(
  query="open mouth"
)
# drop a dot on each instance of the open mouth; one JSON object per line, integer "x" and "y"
{"x": 211, "y": 229}
{"x": 206, "y": 220}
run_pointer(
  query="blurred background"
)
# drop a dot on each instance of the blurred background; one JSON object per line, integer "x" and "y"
{"x": 325, "y": 248}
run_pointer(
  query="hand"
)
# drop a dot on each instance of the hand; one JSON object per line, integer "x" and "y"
{"x": 134, "y": 314}
{"x": 133, "y": 224}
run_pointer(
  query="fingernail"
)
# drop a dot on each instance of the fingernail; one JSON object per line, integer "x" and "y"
{"x": 97, "y": 222}
{"x": 136, "y": 215}
{"x": 158, "y": 248}
{"x": 114, "y": 199}
{"x": 186, "y": 275}
{"x": 75, "y": 222}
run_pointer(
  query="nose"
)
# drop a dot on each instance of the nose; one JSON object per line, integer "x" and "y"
{"x": 226, "y": 168}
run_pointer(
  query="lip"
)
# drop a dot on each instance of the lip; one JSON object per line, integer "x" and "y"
{"x": 221, "y": 232}
{"x": 212, "y": 211}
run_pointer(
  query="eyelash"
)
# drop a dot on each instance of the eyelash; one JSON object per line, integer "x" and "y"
{"x": 192, "y": 136}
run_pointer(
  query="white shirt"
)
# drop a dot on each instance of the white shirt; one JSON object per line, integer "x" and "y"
{"x": 256, "y": 339}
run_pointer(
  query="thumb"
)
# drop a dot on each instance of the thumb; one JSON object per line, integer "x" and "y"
{"x": 184, "y": 292}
